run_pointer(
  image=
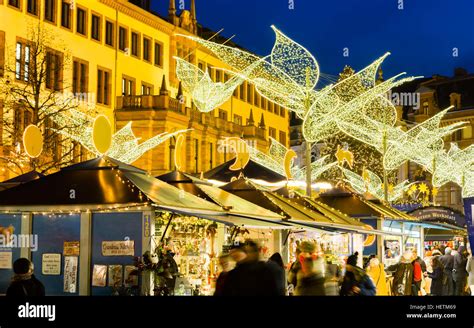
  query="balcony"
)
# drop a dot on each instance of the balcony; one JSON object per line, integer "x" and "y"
{"x": 156, "y": 102}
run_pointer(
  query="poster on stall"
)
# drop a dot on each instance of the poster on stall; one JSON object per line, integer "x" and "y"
{"x": 71, "y": 248}
{"x": 70, "y": 274}
{"x": 6, "y": 260}
{"x": 118, "y": 248}
{"x": 131, "y": 276}
{"x": 51, "y": 264}
{"x": 115, "y": 276}
{"x": 99, "y": 275}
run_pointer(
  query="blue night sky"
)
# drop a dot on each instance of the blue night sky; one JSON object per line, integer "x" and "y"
{"x": 421, "y": 37}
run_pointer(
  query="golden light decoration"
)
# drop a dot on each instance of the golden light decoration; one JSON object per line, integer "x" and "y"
{"x": 102, "y": 134}
{"x": 33, "y": 141}
{"x": 344, "y": 156}
{"x": 241, "y": 150}
{"x": 180, "y": 153}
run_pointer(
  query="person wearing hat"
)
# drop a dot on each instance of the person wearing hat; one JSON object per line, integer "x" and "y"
{"x": 24, "y": 283}
{"x": 356, "y": 281}
{"x": 448, "y": 263}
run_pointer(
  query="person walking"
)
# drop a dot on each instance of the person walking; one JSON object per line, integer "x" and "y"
{"x": 225, "y": 263}
{"x": 24, "y": 283}
{"x": 402, "y": 275}
{"x": 376, "y": 271}
{"x": 356, "y": 282}
{"x": 448, "y": 263}
{"x": 311, "y": 276}
{"x": 293, "y": 271}
{"x": 275, "y": 262}
{"x": 470, "y": 271}
{"x": 459, "y": 271}
{"x": 437, "y": 277}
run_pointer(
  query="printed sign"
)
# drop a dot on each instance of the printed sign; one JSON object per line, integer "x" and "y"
{"x": 118, "y": 248}
{"x": 71, "y": 248}
{"x": 131, "y": 276}
{"x": 6, "y": 260}
{"x": 99, "y": 275}
{"x": 439, "y": 214}
{"x": 115, "y": 275}
{"x": 70, "y": 274}
{"x": 146, "y": 225}
{"x": 51, "y": 264}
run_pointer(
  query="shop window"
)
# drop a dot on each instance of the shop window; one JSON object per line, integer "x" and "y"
{"x": 96, "y": 27}
{"x": 66, "y": 14}
{"x": 146, "y": 49}
{"x": 135, "y": 44}
{"x": 50, "y": 10}
{"x": 103, "y": 86}
{"x": 81, "y": 26}
{"x": 32, "y": 7}
{"x": 158, "y": 54}
{"x": 109, "y": 33}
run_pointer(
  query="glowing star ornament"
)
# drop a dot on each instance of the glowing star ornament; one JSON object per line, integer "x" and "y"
{"x": 33, "y": 141}
{"x": 344, "y": 156}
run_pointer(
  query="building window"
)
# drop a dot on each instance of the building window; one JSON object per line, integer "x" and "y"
{"x": 123, "y": 39}
{"x": 249, "y": 93}
{"x": 272, "y": 133}
{"x": 128, "y": 86}
{"x": 109, "y": 33}
{"x": 242, "y": 91}
{"x": 211, "y": 155}
{"x": 256, "y": 98}
{"x": 32, "y": 7}
{"x": 66, "y": 14}
{"x": 201, "y": 65}
{"x": 264, "y": 103}
{"x": 223, "y": 114}
{"x": 14, "y": 3}
{"x": 425, "y": 108}
{"x": 158, "y": 54}
{"x": 454, "y": 199}
{"x": 96, "y": 27}
{"x": 282, "y": 138}
{"x": 196, "y": 154}
{"x": 103, "y": 86}
{"x": 147, "y": 89}
{"x": 22, "y": 61}
{"x": 282, "y": 112}
{"x": 237, "y": 119}
{"x": 135, "y": 44}
{"x": 50, "y": 10}
{"x": 81, "y": 21}
{"x": 80, "y": 77}
{"x": 146, "y": 49}
{"x": 270, "y": 107}
{"x": 54, "y": 70}
{"x": 218, "y": 74}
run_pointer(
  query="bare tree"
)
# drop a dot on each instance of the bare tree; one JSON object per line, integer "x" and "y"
{"x": 34, "y": 91}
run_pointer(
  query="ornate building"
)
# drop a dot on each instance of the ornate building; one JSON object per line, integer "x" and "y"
{"x": 122, "y": 58}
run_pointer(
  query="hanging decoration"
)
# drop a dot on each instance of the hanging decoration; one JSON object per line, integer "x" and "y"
{"x": 33, "y": 141}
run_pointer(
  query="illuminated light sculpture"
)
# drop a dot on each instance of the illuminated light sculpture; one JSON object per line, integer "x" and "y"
{"x": 206, "y": 94}
{"x": 33, "y": 141}
{"x": 241, "y": 150}
{"x": 371, "y": 183}
{"x": 179, "y": 153}
{"x": 344, "y": 156}
{"x": 289, "y": 155}
{"x": 102, "y": 134}
{"x": 124, "y": 145}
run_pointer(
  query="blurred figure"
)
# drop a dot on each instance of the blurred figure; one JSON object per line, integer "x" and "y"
{"x": 402, "y": 275}
{"x": 311, "y": 276}
{"x": 294, "y": 268}
{"x": 24, "y": 283}
{"x": 376, "y": 271}
{"x": 333, "y": 278}
{"x": 367, "y": 261}
{"x": 419, "y": 270}
{"x": 356, "y": 282}
{"x": 470, "y": 271}
{"x": 226, "y": 265}
{"x": 448, "y": 263}
{"x": 250, "y": 277}
{"x": 275, "y": 262}
{"x": 459, "y": 271}
{"x": 437, "y": 278}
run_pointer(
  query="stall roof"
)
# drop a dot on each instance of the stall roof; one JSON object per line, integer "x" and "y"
{"x": 252, "y": 170}
{"x": 102, "y": 181}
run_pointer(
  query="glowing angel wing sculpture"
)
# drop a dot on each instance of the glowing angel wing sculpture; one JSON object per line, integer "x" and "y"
{"x": 206, "y": 94}
{"x": 372, "y": 184}
{"x": 125, "y": 145}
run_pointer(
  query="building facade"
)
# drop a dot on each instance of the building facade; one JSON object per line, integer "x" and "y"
{"x": 121, "y": 58}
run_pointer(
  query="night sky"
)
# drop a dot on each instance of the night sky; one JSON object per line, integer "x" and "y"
{"x": 420, "y": 37}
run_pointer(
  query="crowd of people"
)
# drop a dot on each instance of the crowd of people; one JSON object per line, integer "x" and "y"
{"x": 442, "y": 272}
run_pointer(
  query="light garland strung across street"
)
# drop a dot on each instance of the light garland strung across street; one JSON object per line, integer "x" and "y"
{"x": 124, "y": 147}
{"x": 356, "y": 105}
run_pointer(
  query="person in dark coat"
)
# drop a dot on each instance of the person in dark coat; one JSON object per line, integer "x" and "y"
{"x": 293, "y": 271}
{"x": 311, "y": 275}
{"x": 437, "y": 277}
{"x": 448, "y": 263}
{"x": 24, "y": 283}
{"x": 275, "y": 262}
{"x": 224, "y": 261}
{"x": 356, "y": 282}
{"x": 250, "y": 277}
{"x": 459, "y": 272}
{"x": 402, "y": 275}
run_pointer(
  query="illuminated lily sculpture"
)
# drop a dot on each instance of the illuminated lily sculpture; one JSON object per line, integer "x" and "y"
{"x": 125, "y": 146}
